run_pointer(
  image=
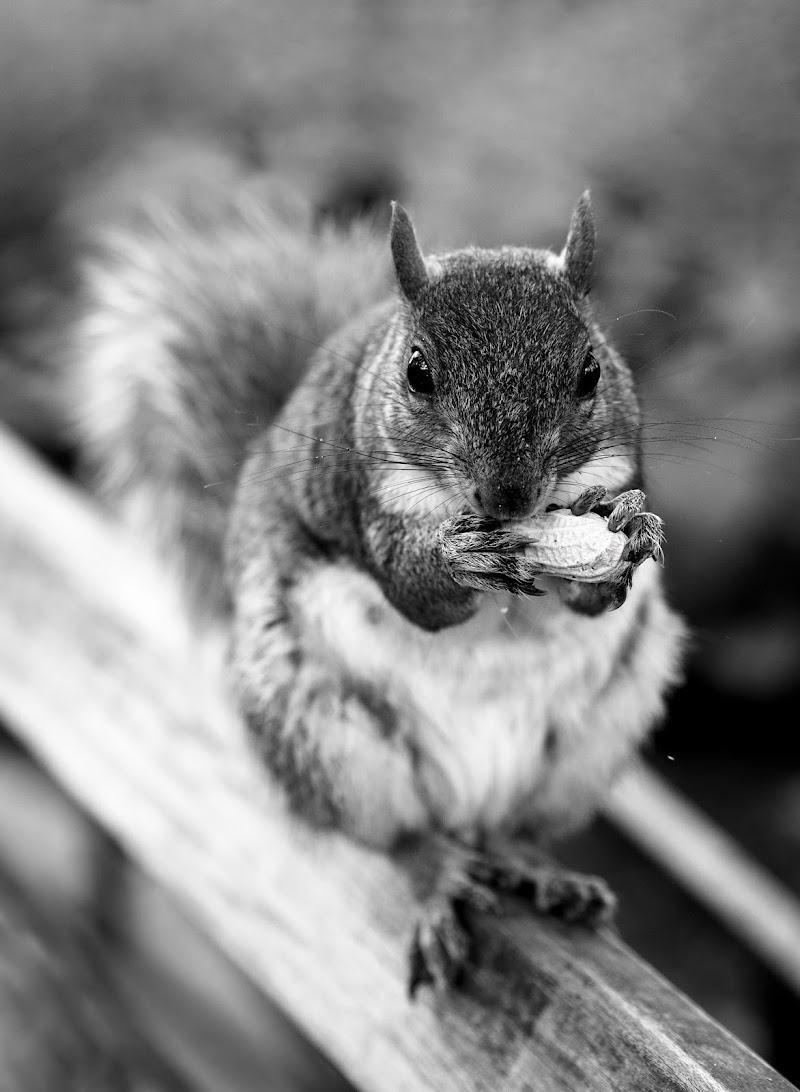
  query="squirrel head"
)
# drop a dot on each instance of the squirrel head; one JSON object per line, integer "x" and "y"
{"x": 499, "y": 384}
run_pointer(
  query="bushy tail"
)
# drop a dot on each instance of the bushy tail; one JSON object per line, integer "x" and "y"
{"x": 158, "y": 297}
{"x": 205, "y": 290}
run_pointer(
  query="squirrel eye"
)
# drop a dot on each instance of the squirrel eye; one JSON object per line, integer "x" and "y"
{"x": 589, "y": 377}
{"x": 420, "y": 380}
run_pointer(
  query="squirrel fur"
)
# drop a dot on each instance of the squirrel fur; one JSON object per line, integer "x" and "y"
{"x": 391, "y": 421}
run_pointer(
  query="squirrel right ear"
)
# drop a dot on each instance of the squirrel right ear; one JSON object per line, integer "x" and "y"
{"x": 578, "y": 254}
{"x": 409, "y": 264}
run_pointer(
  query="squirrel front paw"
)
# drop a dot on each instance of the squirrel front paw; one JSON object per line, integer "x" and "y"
{"x": 645, "y": 535}
{"x": 484, "y": 555}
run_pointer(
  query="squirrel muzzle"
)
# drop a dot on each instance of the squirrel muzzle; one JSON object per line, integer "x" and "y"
{"x": 508, "y": 498}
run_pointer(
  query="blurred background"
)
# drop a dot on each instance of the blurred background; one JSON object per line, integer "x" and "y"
{"x": 488, "y": 119}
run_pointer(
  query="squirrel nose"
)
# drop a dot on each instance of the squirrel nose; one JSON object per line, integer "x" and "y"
{"x": 505, "y": 502}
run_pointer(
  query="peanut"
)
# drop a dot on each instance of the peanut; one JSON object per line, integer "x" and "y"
{"x": 576, "y": 547}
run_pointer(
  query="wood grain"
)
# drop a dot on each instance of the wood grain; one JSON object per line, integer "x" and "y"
{"x": 101, "y": 680}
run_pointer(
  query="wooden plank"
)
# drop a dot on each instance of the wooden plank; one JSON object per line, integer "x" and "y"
{"x": 98, "y": 676}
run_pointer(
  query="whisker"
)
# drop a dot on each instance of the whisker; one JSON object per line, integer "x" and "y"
{"x": 646, "y": 311}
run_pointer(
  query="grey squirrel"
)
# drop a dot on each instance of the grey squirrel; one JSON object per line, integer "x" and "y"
{"x": 391, "y": 424}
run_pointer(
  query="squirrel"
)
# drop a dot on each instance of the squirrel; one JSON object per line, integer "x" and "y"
{"x": 339, "y": 442}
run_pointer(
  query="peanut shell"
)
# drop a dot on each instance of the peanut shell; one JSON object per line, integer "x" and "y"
{"x": 576, "y": 547}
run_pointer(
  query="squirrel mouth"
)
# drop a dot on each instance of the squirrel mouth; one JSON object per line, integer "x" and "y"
{"x": 505, "y": 515}
{"x": 510, "y": 502}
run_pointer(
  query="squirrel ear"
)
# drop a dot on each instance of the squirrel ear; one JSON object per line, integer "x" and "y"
{"x": 409, "y": 264}
{"x": 578, "y": 254}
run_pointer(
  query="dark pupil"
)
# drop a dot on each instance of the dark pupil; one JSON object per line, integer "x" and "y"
{"x": 419, "y": 374}
{"x": 589, "y": 376}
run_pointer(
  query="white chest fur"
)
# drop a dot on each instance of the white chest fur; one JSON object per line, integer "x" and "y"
{"x": 512, "y": 714}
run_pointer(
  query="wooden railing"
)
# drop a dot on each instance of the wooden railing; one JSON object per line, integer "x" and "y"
{"x": 100, "y": 679}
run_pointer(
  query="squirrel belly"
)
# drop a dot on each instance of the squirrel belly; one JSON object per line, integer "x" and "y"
{"x": 518, "y": 718}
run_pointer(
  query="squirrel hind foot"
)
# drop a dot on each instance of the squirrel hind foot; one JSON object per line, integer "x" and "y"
{"x": 547, "y": 888}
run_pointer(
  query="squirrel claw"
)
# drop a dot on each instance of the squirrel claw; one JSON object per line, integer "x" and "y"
{"x": 626, "y": 506}
{"x": 488, "y": 580}
{"x": 442, "y": 947}
{"x": 588, "y": 499}
{"x": 550, "y": 890}
{"x": 645, "y": 530}
{"x": 470, "y": 533}
{"x": 645, "y": 533}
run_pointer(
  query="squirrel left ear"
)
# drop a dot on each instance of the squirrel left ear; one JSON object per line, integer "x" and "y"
{"x": 578, "y": 254}
{"x": 409, "y": 264}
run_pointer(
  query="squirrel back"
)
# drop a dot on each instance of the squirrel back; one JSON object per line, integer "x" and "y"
{"x": 201, "y": 305}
